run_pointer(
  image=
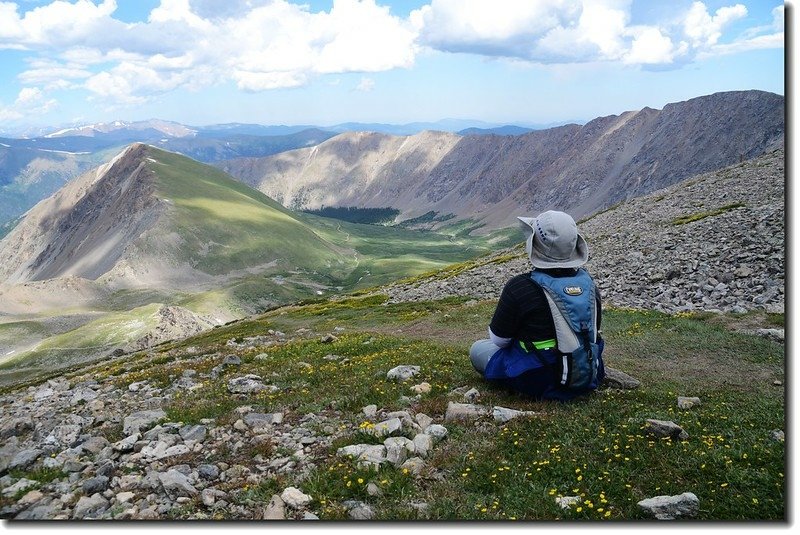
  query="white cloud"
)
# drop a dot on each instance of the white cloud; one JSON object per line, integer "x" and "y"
{"x": 54, "y": 23}
{"x": 569, "y": 31}
{"x": 486, "y": 27}
{"x": 267, "y": 44}
{"x": 258, "y": 44}
{"x": 650, "y": 47}
{"x": 366, "y": 84}
{"x": 29, "y": 101}
{"x": 705, "y": 30}
{"x": 53, "y": 74}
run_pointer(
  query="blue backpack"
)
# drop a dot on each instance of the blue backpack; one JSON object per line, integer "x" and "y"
{"x": 573, "y": 306}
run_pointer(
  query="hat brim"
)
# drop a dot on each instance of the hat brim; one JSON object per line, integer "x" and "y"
{"x": 578, "y": 258}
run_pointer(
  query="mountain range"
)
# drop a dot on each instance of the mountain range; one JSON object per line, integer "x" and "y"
{"x": 491, "y": 179}
{"x": 98, "y": 261}
{"x": 151, "y": 236}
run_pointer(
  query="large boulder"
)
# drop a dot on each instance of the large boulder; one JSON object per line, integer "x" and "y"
{"x": 683, "y": 505}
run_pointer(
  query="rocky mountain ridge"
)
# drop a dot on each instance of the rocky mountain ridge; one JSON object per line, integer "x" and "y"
{"x": 714, "y": 242}
{"x": 578, "y": 169}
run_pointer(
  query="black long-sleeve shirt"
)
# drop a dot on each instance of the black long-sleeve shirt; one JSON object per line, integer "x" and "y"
{"x": 523, "y": 313}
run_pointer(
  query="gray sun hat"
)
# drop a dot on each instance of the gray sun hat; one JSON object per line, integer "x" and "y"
{"x": 552, "y": 241}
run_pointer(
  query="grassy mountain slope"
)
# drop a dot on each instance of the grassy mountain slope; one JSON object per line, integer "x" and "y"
{"x": 225, "y": 225}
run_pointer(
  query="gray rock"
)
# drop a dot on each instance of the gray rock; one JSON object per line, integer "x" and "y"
{"x": 398, "y": 449}
{"x": 374, "y": 490}
{"x": 307, "y": 515}
{"x": 232, "y": 360}
{"x": 248, "y": 384}
{"x": 24, "y": 459}
{"x": 777, "y": 335}
{"x": 414, "y": 465}
{"x": 16, "y": 427}
{"x": 40, "y": 512}
{"x": 19, "y": 486}
{"x": 90, "y": 507}
{"x": 472, "y": 395}
{"x": 294, "y": 498}
{"x": 106, "y": 469}
{"x": 662, "y": 428}
{"x": 276, "y": 509}
{"x": 402, "y": 372}
{"x": 135, "y": 387}
{"x": 386, "y": 427}
{"x": 423, "y": 444}
{"x": 437, "y": 432}
{"x": 370, "y": 455}
{"x": 209, "y": 472}
{"x": 503, "y": 414}
{"x": 370, "y": 411}
{"x": 620, "y": 380}
{"x": 358, "y": 510}
{"x": 423, "y": 420}
{"x": 82, "y": 395}
{"x": 65, "y": 435}
{"x": 685, "y": 505}
{"x": 124, "y": 497}
{"x": 464, "y": 412}
{"x": 176, "y": 484}
{"x": 126, "y": 444}
{"x": 95, "y": 485}
{"x": 193, "y": 432}
{"x": 687, "y": 402}
{"x": 142, "y": 420}
{"x": 777, "y": 435}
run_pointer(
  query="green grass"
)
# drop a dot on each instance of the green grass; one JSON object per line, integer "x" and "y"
{"x": 595, "y": 447}
{"x": 225, "y": 225}
{"x": 100, "y": 335}
{"x": 682, "y": 220}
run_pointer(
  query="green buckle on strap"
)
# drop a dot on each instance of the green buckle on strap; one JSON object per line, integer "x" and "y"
{"x": 541, "y": 345}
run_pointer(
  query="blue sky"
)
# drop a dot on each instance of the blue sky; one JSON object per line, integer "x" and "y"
{"x": 323, "y": 62}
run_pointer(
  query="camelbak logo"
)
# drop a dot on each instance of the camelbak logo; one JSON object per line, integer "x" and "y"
{"x": 573, "y": 290}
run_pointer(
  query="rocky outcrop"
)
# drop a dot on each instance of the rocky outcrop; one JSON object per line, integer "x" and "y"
{"x": 714, "y": 242}
{"x": 173, "y": 323}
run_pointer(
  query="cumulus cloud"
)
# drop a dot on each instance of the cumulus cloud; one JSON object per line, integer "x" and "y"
{"x": 261, "y": 45}
{"x": 567, "y": 31}
{"x": 704, "y": 29}
{"x": 30, "y": 101}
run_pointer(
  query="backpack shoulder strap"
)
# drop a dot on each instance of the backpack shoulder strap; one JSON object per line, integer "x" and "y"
{"x": 572, "y": 305}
